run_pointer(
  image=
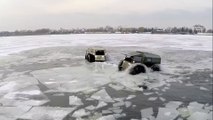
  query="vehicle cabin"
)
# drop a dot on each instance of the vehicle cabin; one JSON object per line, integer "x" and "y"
{"x": 96, "y": 54}
{"x": 146, "y": 58}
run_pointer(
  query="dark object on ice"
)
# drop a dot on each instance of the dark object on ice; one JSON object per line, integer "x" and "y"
{"x": 143, "y": 86}
{"x": 95, "y": 54}
{"x": 137, "y": 69}
{"x": 139, "y": 59}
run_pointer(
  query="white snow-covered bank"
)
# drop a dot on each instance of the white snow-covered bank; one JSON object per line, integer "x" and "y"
{"x": 16, "y": 44}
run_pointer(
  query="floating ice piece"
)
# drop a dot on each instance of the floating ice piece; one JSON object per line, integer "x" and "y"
{"x": 119, "y": 99}
{"x": 200, "y": 116}
{"x": 119, "y": 115}
{"x": 128, "y": 104}
{"x": 147, "y": 93}
{"x": 101, "y": 104}
{"x": 102, "y": 95}
{"x": 74, "y": 100}
{"x": 152, "y": 98}
{"x": 118, "y": 110}
{"x": 211, "y": 75}
{"x": 146, "y": 113}
{"x": 130, "y": 97}
{"x": 116, "y": 87}
{"x": 184, "y": 112}
{"x": 80, "y": 113}
{"x": 118, "y": 104}
{"x": 108, "y": 117}
{"x": 91, "y": 107}
{"x": 162, "y": 99}
{"x": 106, "y": 111}
{"x": 167, "y": 114}
{"x": 203, "y": 88}
{"x": 41, "y": 113}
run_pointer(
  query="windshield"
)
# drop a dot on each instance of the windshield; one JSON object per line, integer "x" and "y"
{"x": 100, "y": 52}
{"x": 128, "y": 59}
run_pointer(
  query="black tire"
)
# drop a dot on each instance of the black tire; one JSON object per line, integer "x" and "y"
{"x": 137, "y": 69}
{"x": 91, "y": 58}
{"x": 120, "y": 66}
{"x": 156, "y": 67}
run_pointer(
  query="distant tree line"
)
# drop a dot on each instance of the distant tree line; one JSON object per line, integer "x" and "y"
{"x": 106, "y": 30}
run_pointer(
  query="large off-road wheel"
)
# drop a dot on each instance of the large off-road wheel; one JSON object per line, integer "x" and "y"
{"x": 120, "y": 65}
{"x": 137, "y": 69}
{"x": 156, "y": 67}
{"x": 91, "y": 58}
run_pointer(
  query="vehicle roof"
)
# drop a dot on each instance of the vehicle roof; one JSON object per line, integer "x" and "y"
{"x": 146, "y": 54}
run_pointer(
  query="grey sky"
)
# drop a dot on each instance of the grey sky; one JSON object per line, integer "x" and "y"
{"x": 55, "y": 14}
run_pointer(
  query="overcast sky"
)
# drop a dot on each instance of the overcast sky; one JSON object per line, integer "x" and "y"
{"x": 55, "y": 14}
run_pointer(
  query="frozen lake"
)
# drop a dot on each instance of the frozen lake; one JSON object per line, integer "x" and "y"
{"x": 46, "y": 77}
{"x": 184, "y": 42}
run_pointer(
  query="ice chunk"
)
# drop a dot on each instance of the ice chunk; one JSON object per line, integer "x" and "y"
{"x": 199, "y": 116}
{"x": 130, "y": 97}
{"x": 119, "y": 99}
{"x": 147, "y": 93}
{"x": 146, "y": 113}
{"x": 41, "y": 113}
{"x": 184, "y": 112}
{"x": 203, "y": 88}
{"x": 119, "y": 115}
{"x": 102, "y": 95}
{"x": 118, "y": 104}
{"x": 128, "y": 104}
{"x": 101, "y": 104}
{"x": 80, "y": 113}
{"x": 106, "y": 111}
{"x": 91, "y": 107}
{"x": 108, "y": 117}
{"x": 74, "y": 100}
{"x": 167, "y": 114}
{"x": 152, "y": 98}
{"x": 162, "y": 99}
{"x": 194, "y": 107}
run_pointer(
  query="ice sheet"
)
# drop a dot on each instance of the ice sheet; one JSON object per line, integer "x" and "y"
{"x": 40, "y": 113}
{"x": 15, "y": 44}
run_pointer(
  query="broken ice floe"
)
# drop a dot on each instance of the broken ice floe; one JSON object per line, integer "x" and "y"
{"x": 108, "y": 117}
{"x": 80, "y": 113}
{"x": 146, "y": 113}
{"x": 26, "y": 96}
{"x": 74, "y": 100}
{"x": 152, "y": 98}
{"x": 100, "y": 105}
{"x": 131, "y": 97}
{"x": 102, "y": 95}
{"x": 128, "y": 104}
{"x": 204, "y": 89}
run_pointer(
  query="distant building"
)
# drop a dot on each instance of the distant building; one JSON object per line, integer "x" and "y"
{"x": 199, "y": 28}
{"x": 158, "y": 31}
